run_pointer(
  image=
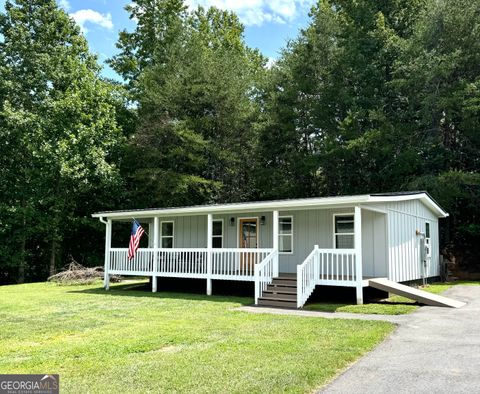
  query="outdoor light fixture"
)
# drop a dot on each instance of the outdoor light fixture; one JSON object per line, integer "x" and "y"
{"x": 262, "y": 220}
{"x": 232, "y": 221}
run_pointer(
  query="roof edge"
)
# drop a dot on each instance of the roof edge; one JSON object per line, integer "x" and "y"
{"x": 276, "y": 204}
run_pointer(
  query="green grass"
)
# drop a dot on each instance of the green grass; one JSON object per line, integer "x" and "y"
{"x": 390, "y": 307}
{"x": 127, "y": 340}
{"x": 395, "y": 305}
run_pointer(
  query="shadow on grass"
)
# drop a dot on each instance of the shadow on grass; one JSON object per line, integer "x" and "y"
{"x": 180, "y": 289}
{"x": 386, "y": 302}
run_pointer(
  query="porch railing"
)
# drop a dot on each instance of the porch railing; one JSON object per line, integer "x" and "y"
{"x": 236, "y": 264}
{"x": 265, "y": 271}
{"x": 337, "y": 265}
{"x": 232, "y": 264}
{"x": 142, "y": 264}
{"x": 334, "y": 267}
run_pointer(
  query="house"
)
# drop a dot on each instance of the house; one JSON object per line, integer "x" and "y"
{"x": 287, "y": 247}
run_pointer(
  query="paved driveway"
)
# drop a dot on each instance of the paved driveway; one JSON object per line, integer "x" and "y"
{"x": 434, "y": 350}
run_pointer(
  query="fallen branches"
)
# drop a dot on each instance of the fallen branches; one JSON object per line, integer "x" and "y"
{"x": 76, "y": 273}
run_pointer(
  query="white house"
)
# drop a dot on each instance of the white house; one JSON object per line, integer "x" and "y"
{"x": 287, "y": 247}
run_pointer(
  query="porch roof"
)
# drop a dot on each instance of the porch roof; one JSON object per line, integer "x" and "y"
{"x": 289, "y": 204}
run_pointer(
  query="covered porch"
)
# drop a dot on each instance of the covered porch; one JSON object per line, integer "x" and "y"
{"x": 262, "y": 240}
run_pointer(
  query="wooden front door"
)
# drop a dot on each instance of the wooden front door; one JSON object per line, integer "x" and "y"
{"x": 248, "y": 239}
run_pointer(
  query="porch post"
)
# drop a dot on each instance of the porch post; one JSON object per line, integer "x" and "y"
{"x": 108, "y": 245}
{"x": 358, "y": 253}
{"x": 209, "y": 253}
{"x": 275, "y": 243}
{"x": 155, "y": 254}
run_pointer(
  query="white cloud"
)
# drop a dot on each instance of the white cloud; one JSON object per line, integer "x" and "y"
{"x": 64, "y": 4}
{"x": 258, "y": 12}
{"x": 94, "y": 17}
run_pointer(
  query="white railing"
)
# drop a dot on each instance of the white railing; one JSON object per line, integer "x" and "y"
{"x": 236, "y": 264}
{"x": 265, "y": 271}
{"x": 141, "y": 264}
{"x": 334, "y": 267}
{"x": 229, "y": 264}
{"x": 337, "y": 265}
{"x": 184, "y": 262}
{"x": 307, "y": 277}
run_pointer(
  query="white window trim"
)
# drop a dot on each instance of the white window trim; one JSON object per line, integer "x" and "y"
{"x": 282, "y": 235}
{"x": 218, "y": 236}
{"x": 167, "y": 236}
{"x": 335, "y": 233}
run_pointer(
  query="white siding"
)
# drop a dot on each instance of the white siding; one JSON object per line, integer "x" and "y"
{"x": 374, "y": 244}
{"x": 404, "y": 218}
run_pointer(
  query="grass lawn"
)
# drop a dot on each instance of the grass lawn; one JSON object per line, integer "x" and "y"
{"x": 395, "y": 305}
{"x": 127, "y": 340}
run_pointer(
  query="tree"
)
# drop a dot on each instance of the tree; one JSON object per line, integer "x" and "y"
{"x": 158, "y": 25}
{"x": 198, "y": 106}
{"x": 331, "y": 96}
{"x": 438, "y": 82}
{"x": 58, "y": 117}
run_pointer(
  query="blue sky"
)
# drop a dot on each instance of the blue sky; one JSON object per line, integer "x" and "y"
{"x": 268, "y": 23}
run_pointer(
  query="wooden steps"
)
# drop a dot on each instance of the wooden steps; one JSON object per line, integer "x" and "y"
{"x": 282, "y": 292}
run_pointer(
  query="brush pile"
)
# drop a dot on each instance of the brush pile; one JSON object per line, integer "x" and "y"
{"x": 77, "y": 274}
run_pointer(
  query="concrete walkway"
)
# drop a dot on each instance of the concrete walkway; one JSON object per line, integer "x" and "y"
{"x": 397, "y": 319}
{"x": 434, "y": 350}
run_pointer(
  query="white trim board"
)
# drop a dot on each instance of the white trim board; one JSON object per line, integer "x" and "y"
{"x": 285, "y": 205}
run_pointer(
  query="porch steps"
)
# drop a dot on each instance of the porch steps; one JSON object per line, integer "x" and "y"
{"x": 282, "y": 292}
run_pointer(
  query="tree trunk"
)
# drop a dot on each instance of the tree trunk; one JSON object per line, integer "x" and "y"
{"x": 23, "y": 243}
{"x": 21, "y": 265}
{"x": 53, "y": 257}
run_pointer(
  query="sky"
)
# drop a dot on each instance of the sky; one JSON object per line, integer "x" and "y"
{"x": 269, "y": 24}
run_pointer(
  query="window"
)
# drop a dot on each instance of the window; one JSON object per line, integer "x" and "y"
{"x": 343, "y": 232}
{"x": 167, "y": 235}
{"x": 217, "y": 236}
{"x": 285, "y": 234}
{"x": 427, "y": 230}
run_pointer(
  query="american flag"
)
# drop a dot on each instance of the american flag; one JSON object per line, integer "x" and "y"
{"x": 137, "y": 232}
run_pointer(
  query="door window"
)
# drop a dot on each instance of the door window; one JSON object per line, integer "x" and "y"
{"x": 248, "y": 233}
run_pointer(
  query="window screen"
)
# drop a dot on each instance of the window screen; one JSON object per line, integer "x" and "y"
{"x": 344, "y": 232}
{"x": 285, "y": 234}
{"x": 217, "y": 236}
{"x": 167, "y": 235}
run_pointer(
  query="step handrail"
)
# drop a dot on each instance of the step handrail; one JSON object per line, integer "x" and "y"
{"x": 307, "y": 277}
{"x": 265, "y": 271}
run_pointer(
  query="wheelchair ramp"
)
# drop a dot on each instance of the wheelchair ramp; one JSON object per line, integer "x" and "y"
{"x": 414, "y": 294}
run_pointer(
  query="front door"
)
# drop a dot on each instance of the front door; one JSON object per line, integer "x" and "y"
{"x": 248, "y": 239}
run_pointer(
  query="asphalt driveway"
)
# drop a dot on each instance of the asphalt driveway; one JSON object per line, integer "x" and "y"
{"x": 434, "y": 350}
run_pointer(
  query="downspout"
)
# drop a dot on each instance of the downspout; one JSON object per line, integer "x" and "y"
{"x": 423, "y": 255}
